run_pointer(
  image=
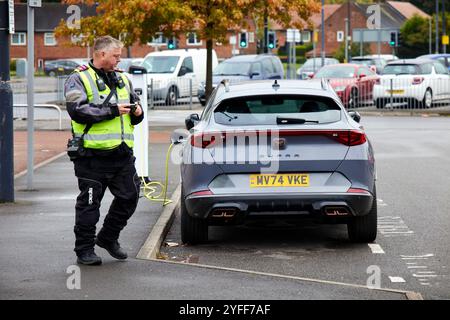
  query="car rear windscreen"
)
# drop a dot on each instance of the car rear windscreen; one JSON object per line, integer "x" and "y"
{"x": 399, "y": 69}
{"x": 277, "y": 110}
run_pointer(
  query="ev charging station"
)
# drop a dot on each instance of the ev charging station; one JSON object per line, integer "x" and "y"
{"x": 140, "y": 149}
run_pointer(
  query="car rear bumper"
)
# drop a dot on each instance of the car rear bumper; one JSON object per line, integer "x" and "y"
{"x": 301, "y": 204}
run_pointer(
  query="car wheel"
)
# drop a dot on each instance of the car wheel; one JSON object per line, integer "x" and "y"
{"x": 364, "y": 228}
{"x": 193, "y": 230}
{"x": 427, "y": 99}
{"x": 203, "y": 102}
{"x": 172, "y": 96}
{"x": 380, "y": 103}
{"x": 353, "y": 101}
{"x": 52, "y": 74}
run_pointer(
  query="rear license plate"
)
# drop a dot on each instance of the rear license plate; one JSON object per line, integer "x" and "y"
{"x": 279, "y": 180}
{"x": 395, "y": 91}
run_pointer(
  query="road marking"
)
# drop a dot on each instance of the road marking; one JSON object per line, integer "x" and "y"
{"x": 381, "y": 203}
{"x": 396, "y": 279}
{"x": 417, "y": 267}
{"x": 376, "y": 248}
{"x": 390, "y": 226}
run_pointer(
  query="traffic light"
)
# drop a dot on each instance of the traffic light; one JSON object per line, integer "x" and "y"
{"x": 243, "y": 42}
{"x": 172, "y": 43}
{"x": 271, "y": 42}
{"x": 399, "y": 39}
{"x": 393, "y": 39}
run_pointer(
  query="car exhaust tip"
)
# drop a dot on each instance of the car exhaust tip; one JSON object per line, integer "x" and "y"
{"x": 224, "y": 213}
{"x": 336, "y": 211}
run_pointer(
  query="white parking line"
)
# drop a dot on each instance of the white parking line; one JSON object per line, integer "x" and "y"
{"x": 376, "y": 248}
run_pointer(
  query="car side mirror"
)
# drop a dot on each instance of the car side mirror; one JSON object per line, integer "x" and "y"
{"x": 182, "y": 71}
{"x": 178, "y": 136}
{"x": 355, "y": 116}
{"x": 191, "y": 121}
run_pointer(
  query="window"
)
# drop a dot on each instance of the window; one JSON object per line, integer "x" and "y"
{"x": 426, "y": 68}
{"x": 256, "y": 68}
{"x": 159, "y": 39}
{"x": 306, "y": 36}
{"x": 268, "y": 66}
{"x": 440, "y": 69}
{"x": 442, "y": 60}
{"x": 192, "y": 39}
{"x": 340, "y": 36}
{"x": 19, "y": 39}
{"x": 268, "y": 109}
{"x": 49, "y": 39}
{"x": 187, "y": 63}
{"x": 251, "y": 37}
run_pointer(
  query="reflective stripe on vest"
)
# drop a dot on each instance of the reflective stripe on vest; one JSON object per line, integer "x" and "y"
{"x": 106, "y": 134}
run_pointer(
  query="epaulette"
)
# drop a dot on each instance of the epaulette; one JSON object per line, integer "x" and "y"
{"x": 82, "y": 68}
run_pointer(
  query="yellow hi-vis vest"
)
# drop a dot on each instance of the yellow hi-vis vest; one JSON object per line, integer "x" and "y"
{"x": 107, "y": 134}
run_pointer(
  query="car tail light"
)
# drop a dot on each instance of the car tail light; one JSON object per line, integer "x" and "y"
{"x": 347, "y": 137}
{"x": 202, "y": 193}
{"x": 203, "y": 140}
{"x": 358, "y": 190}
{"x": 417, "y": 80}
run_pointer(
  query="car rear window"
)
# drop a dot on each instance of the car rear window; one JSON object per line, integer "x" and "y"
{"x": 277, "y": 109}
{"x": 398, "y": 69}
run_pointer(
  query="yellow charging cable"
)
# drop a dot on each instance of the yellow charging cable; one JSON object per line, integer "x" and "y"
{"x": 150, "y": 188}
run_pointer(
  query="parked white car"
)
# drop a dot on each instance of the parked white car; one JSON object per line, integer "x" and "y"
{"x": 174, "y": 74}
{"x": 417, "y": 82}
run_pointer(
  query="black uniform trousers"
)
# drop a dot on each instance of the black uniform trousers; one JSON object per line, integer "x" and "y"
{"x": 95, "y": 174}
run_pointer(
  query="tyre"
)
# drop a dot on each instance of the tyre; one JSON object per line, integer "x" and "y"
{"x": 353, "y": 100}
{"x": 380, "y": 103}
{"x": 193, "y": 230}
{"x": 172, "y": 96}
{"x": 363, "y": 229}
{"x": 427, "y": 99}
{"x": 202, "y": 102}
{"x": 52, "y": 74}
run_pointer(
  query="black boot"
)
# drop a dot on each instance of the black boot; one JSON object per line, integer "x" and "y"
{"x": 89, "y": 258}
{"x": 113, "y": 248}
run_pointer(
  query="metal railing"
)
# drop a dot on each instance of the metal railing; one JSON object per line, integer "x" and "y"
{"x": 42, "y": 105}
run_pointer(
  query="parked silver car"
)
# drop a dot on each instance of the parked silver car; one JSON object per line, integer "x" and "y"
{"x": 280, "y": 149}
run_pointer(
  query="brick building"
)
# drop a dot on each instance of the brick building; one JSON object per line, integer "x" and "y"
{"x": 47, "y": 47}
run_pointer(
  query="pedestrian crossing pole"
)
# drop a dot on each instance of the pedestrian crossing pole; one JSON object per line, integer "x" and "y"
{"x": 6, "y": 114}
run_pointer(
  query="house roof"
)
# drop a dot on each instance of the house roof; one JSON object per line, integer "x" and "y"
{"x": 407, "y": 9}
{"x": 47, "y": 17}
{"x": 329, "y": 9}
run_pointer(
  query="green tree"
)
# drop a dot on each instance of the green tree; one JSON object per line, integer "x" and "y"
{"x": 354, "y": 51}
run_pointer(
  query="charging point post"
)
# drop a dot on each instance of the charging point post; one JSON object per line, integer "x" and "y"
{"x": 140, "y": 149}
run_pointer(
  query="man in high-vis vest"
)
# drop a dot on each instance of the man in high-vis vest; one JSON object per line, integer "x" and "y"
{"x": 104, "y": 110}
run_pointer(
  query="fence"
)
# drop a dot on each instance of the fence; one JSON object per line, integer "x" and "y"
{"x": 397, "y": 92}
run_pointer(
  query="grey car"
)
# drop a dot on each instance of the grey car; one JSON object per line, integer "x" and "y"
{"x": 279, "y": 149}
{"x": 245, "y": 67}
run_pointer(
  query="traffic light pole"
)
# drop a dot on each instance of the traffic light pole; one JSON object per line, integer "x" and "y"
{"x": 437, "y": 27}
{"x": 6, "y": 114}
{"x": 444, "y": 22}
{"x": 266, "y": 32}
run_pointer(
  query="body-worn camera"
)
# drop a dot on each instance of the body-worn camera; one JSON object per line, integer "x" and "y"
{"x": 75, "y": 148}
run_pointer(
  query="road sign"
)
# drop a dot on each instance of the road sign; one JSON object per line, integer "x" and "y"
{"x": 35, "y": 3}
{"x": 445, "y": 40}
{"x": 233, "y": 40}
{"x": 293, "y": 35}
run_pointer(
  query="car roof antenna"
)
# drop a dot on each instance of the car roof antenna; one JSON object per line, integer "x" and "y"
{"x": 275, "y": 85}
